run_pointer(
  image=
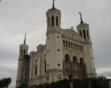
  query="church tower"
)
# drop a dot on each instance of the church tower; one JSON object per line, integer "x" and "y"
{"x": 23, "y": 65}
{"x": 83, "y": 30}
{"x": 54, "y": 45}
{"x": 53, "y": 16}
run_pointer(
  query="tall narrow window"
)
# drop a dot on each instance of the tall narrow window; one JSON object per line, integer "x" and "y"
{"x": 52, "y": 20}
{"x": 84, "y": 33}
{"x": 66, "y": 43}
{"x": 45, "y": 65}
{"x": 36, "y": 70}
{"x": 57, "y": 21}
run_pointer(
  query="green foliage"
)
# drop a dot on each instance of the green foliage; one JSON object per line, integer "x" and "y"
{"x": 59, "y": 84}
{"x": 101, "y": 77}
{"x": 5, "y": 82}
{"x": 87, "y": 83}
{"x": 23, "y": 85}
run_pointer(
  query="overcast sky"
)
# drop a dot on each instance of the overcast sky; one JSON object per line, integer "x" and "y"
{"x": 20, "y": 16}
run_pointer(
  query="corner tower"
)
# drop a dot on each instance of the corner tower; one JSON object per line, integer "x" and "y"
{"x": 23, "y": 65}
{"x": 23, "y": 49}
{"x": 54, "y": 45}
{"x": 53, "y": 16}
{"x": 83, "y": 30}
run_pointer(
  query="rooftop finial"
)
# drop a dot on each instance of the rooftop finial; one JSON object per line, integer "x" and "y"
{"x": 25, "y": 39}
{"x": 53, "y": 4}
{"x": 81, "y": 17}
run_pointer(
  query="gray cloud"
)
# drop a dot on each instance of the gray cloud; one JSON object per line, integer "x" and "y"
{"x": 8, "y": 72}
{"x": 7, "y": 54}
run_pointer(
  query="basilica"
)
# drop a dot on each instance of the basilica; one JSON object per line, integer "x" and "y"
{"x": 66, "y": 54}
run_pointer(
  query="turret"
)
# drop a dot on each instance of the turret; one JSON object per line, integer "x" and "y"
{"x": 23, "y": 49}
{"x": 83, "y": 30}
{"x": 54, "y": 45}
{"x": 53, "y": 17}
{"x": 23, "y": 65}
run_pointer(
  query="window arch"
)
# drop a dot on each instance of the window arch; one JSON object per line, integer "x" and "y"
{"x": 67, "y": 58}
{"x": 66, "y": 66}
{"x": 82, "y": 69}
{"x": 74, "y": 59}
{"x": 52, "y": 20}
{"x": 81, "y": 60}
{"x": 75, "y": 68}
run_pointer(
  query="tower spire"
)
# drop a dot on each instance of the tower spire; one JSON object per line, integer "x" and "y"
{"x": 25, "y": 39}
{"x": 53, "y": 4}
{"x": 81, "y": 18}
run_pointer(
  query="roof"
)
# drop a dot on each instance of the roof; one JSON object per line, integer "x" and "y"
{"x": 72, "y": 34}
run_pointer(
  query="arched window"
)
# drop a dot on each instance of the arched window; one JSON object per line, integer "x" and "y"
{"x": 82, "y": 69}
{"x": 45, "y": 65}
{"x": 57, "y": 20}
{"x": 67, "y": 58}
{"x": 74, "y": 59}
{"x": 81, "y": 61}
{"x": 52, "y": 20}
{"x": 36, "y": 70}
{"x": 66, "y": 66}
{"x": 75, "y": 67}
{"x": 84, "y": 34}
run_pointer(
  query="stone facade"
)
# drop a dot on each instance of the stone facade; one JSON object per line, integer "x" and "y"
{"x": 66, "y": 54}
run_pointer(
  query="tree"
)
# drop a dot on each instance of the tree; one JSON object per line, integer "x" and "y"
{"x": 5, "y": 82}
